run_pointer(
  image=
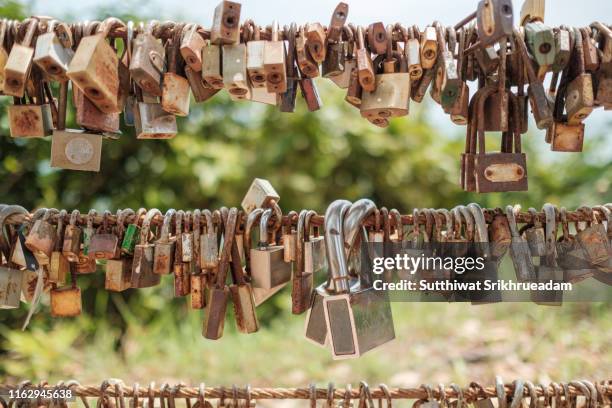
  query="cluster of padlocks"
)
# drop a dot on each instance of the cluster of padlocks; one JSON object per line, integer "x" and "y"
{"x": 148, "y": 71}
{"x": 214, "y": 258}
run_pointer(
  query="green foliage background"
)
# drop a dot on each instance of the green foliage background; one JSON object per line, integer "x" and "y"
{"x": 311, "y": 159}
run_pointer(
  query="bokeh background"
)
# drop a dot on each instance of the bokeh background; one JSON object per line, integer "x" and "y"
{"x": 311, "y": 159}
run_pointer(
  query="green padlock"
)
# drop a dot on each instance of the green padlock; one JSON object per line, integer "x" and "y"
{"x": 131, "y": 236}
{"x": 541, "y": 42}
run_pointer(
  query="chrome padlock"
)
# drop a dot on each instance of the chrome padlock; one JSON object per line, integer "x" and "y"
{"x": 358, "y": 319}
{"x": 314, "y": 248}
{"x": 53, "y": 51}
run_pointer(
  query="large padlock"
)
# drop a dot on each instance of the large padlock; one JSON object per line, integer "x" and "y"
{"x": 175, "y": 87}
{"x": 53, "y": 51}
{"x": 19, "y": 62}
{"x": 94, "y": 69}
{"x": 358, "y": 318}
{"x": 148, "y": 61}
{"x": 165, "y": 247}
{"x": 142, "y": 266}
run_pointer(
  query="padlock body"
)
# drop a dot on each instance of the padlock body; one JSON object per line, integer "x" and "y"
{"x": 182, "y": 279}
{"x": 268, "y": 267}
{"x": 214, "y": 319}
{"x": 200, "y": 90}
{"x": 260, "y": 194}
{"x": 301, "y": 292}
{"x": 391, "y": 97}
{"x": 255, "y": 63}
{"x": 51, "y": 56}
{"x": 76, "y": 150}
{"x": 153, "y": 122}
{"x": 147, "y": 63}
{"x": 198, "y": 291}
{"x": 142, "y": 267}
{"x": 211, "y": 66}
{"x": 10, "y": 287}
{"x": 226, "y": 23}
{"x": 17, "y": 70}
{"x": 88, "y": 116}
{"x": 191, "y": 50}
{"x": 95, "y": 71}
{"x": 494, "y": 20}
{"x": 521, "y": 259}
{"x": 235, "y": 78}
{"x": 104, "y": 246}
{"x": 567, "y": 138}
{"x": 175, "y": 94}
{"x": 540, "y": 41}
{"x": 59, "y": 267}
{"x": 41, "y": 241}
{"x": 495, "y": 172}
{"x": 66, "y": 302}
{"x": 244, "y": 308}
{"x": 118, "y": 274}
{"x": 164, "y": 257}
{"x": 274, "y": 66}
{"x": 579, "y": 99}
{"x": 30, "y": 120}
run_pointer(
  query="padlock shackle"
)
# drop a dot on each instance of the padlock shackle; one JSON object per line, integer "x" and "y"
{"x": 397, "y": 217}
{"x": 146, "y": 225}
{"x": 90, "y": 216}
{"x": 164, "y": 236}
{"x": 32, "y": 24}
{"x": 469, "y": 222}
{"x": 334, "y": 244}
{"x": 229, "y": 229}
{"x": 253, "y": 217}
{"x": 510, "y": 215}
{"x": 480, "y": 223}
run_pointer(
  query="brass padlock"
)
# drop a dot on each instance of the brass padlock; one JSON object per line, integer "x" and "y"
{"x": 3, "y": 54}
{"x": 191, "y": 47}
{"x": 412, "y": 52}
{"x": 53, "y": 51}
{"x": 66, "y": 301}
{"x": 226, "y": 23}
{"x": 211, "y": 65}
{"x": 19, "y": 62}
{"x": 200, "y": 90}
{"x": 148, "y": 61}
{"x": 429, "y": 47}
{"x": 268, "y": 268}
{"x": 579, "y": 94}
{"x": 41, "y": 238}
{"x": 142, "y": 265}
{"x": 118, "y": 273}
{"x": 308, "y": 66}
{"x": 261, "y": 194}
{"x": 241, "y": 290}
{"x": 175, "y": 87}
{"x": 315, "y": 41}
{"x": 391, "y": 97}
{"x": 88, "y": 116}
{"x": 274, "y": 63}
{"x": 104, "y": 243}
{"x": 358, "y": 318}
{"x": 235, "y": 78}
{"x": 165, "y": 247}
{"x": 151, "y": 120}
{"x": 302, "y": 283}
{"x": 94, "y": 69}
{"x": 72, "y": 238}
{"x": 59, "y": 266}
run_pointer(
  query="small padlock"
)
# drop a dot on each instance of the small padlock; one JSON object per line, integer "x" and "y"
{"x": 151, "y": 120}
{"x": 33, "y": 119}
{"x": 261, "y": 194}
{"x": 59, "y": 266}
{"x": 142, "y": 265}
{"x": 19, "y": 62}
{"x": 308, "y": 66}
{"x": 118, "y": 275}
{"x": 165, "y": 247}
{"x": 535, "y": 235}
{"x": 594, "y": 240}
{"x": 175, "y": 87}
{"x": 274, "y": 63}
{"x": 566, "y": 137}
{"x": 563, "y": 50}
{"x": 302, "y": 282}
{"x": 540, "y": 40}
{"x": 226, "y": 23}
{"x": 315, "y": 41}
{"x": 53, "y": 51}
{"x": 412, "y": 51}
{"x": 104, "y": 243}
{"x": 180, "y": 269}
{"x": 200, "y": 90}
{"x": 494, "y": 20}
{"x": 89, "y": 117}
{"x": 72, "y": 238}
{"x": 212, "y": 72}
{"x": 66, "y": 301}
{"x": 41, "y": 238}
{"x": 579, "y": 94}
{"x": 268, "y": 268}
{"x": 148, "y": 61}
{"x": 519, "y": 250}
{"x": 235, "y": 78}
{"x": 191, "y": 47}
{"x": 429, "y": 47}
